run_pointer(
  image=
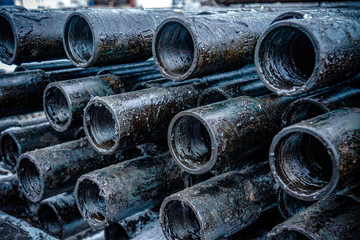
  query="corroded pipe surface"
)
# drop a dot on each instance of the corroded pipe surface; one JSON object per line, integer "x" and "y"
{"x": 195, "y": 46}
{"x": 294, "y": 56}
{"x": 28, "y": 36}
{"x": 218, "y": 135}
{"x": 143, "y": 115}
{"x": 18, "y": 140}
{"x": 52, "y": 170}
{"x": 60, "y": 217}
{"x": 110, "y": 194}
{"x": 312, "y": 158}
{"x": 220, "y": 206}
{"x": 45, "y": 66}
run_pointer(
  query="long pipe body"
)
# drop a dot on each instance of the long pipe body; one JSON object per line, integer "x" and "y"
{"x": 132, "y": 118}
{"x": 45, "y": 66}
{"x": 312, "y": 158}
{"x": 219, "y": 135}
{"x": 294, "y": 56}
{"x": 103, "y": 36}
{"x": 320, "y": 103}
{"x": 18, "y": 140}
{"x": 335, "y": 217}
{"x": 28, "y": 36}
{"x": 22, "y": 120}
{"x": 64, "y": 101}
{"x": 220, "y": 206}
{"x": 113, "y": 193}
{"x": 60, "y": 217}
{"x": 11, "y": 198}
{"x": 52, "y": 170}
{"x": 195, "y": 46}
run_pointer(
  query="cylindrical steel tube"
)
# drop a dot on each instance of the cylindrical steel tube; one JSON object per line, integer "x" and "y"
{"x": 22, "y": 120}
{"x": 143, "y": 115}
{"x": 28, "y": 36}
{"x": 320, "y": 103}
{"x": 60, "y": 217}
{"x": 195, "y": 46}
{"x": 312, "y": 158}
{"x": 11, "y": 198}
{"x": 52, "y": 170}
{"x": 218, "y": 135}
{"x": 45, "y": 66}
{"x": 336, "y": 217}
{"x": 103, "y": 36}
{"x": 218, "y": 207}
{"x": 17, "y": 140}
{"x": 288, "y": 206}
{"x": 121, "y": 190}
{"x": 299, "y": 55}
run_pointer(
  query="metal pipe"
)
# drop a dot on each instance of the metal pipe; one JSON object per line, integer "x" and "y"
{"x": 320, "y": 103}
{"x": 22, "y": 120}
{"x": 312, "y": 158}
{"x": 52, "y": 170}
{"x": 220, "y": 206}
{"x": 18, "y": 140}
{"x": 219, "y": 135}
{"x": 140, "y": 183}
{"x": 64, "y": 101}
{"x": 28, "y": 36}
{"x": 195, "y": 46}
{"x": 45, "y": 66}
{"x": 143, "y": 115}
{"x": 60, "y": 217}
{"x": 336, "y": 217}
{"x": 294, "y": 56}
{"x": 288, "y": 206}
{"x": 11, "y": 198}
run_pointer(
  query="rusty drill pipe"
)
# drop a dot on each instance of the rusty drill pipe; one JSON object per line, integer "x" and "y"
{"x": 312, "y": 158}
{"x": 22, "y": 120}
{"x": 64, "y": 101}
{"x": 288, "y": 206}
{"x": 102, "y": 37}
{"x": 52, "y": 170}
{"x": 195, "y": 46}
{"x": 295, "y": 56}
{"x": 28, "y": 36}
{"x": 45, "y": 66}
{"x": 143, "y": 115}
{"x": 31, "y": 209}
{"x": 320, "y": 103}
{"x": 60, "y": 217}
{"x": 131, "y": 226}
{"x": 335, "y": 217}
{"x": 218, "y": 207}
{"x": 18, "y": 140}
{"x": 221, "y": 134}
{"x": 11, "y": 198}
{"x": 140, "y": 183}
{"x": 252, "y": 87}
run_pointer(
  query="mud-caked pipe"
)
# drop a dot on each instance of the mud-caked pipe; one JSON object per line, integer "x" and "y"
{"x": 64, "y": 101}
{"x": 23, "y": 120}
{"x": 320, "y": 103}
{"x": 110, "y": 194}
{"x": 18, "y": 140}
{"x": 143, "y": 115}
{"x": 52, "y": 170}
{"x": 312, "y": 158}
{"x": 299, "y": 55}
{"x": 288, "y": 205}
{"x": 335, "y": 217}
{"x": 45, "y": 66}
{"x": 60, "y": 217}
{"x": 215, "y": 136}
{"x": 28, "y": 36}
{"x": 194, "y": 46}
{"x": 11, "y": 198}
{"x": 220, "y": 206}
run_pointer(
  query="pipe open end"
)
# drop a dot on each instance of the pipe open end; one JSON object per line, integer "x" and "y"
{"x": 211, "y": 96}
{"x": 30, "y": 179}
{"x": 303, "y": 164}
{"x": 174, "y": 50}
{"x": 78, "y": 40}
{"x": 9, "y": 150}
{"x": 49, "y": 220}
{"x": 115, "y": 232}
{"x": 290, "y": 235}
{"x": 179, "y": 221}
{"x": 190, "y": 144}
{"x": 7, "y": 41}
{"x": 100, "y": 127}
{"x": 90, "y": 202}
{"x": 57, "y": 108}
{"x": 285, "y": 58}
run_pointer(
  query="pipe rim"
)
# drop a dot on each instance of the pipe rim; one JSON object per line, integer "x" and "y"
{"x": 9, "y": 163}
{"x": 211, "y": 93}
{"x": 282, "y": 229}
{"x": 15, "y": 39}
{"x": 48, "y": 206}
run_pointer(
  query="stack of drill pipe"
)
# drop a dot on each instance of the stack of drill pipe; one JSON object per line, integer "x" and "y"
{"x": 143, "y": 115}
